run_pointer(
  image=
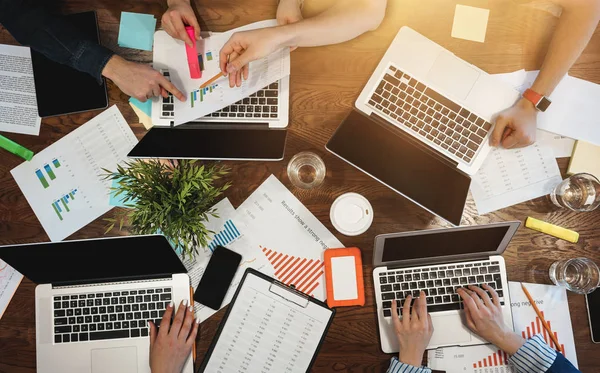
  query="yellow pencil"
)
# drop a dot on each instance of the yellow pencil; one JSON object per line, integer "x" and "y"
{"x": 214, "y": 78}
{"x": 537, "y": 311}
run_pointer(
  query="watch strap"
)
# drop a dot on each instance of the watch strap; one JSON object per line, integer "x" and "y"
{"x": 532, "y": 96}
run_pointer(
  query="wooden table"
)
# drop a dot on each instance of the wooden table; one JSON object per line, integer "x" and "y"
{"x": 324, "y": 85}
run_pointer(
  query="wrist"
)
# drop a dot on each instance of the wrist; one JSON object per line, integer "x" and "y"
{"x": 413, "y": 358}
{"x": 510, "y": 342}
{"x": 526, "y": 104}
{"x": 109, "y": 69}
{"x": 174, "y": 2}
{"x": 287, "y": 35}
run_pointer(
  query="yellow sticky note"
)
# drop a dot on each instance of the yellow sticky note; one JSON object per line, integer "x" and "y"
{"x": 144, "y": 119}
{"x": 470, "y": 23}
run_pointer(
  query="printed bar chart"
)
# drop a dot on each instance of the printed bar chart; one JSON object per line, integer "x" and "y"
{"x": 42, "y": 179}
{"x": 199, "y": 94}
{"x": 49, "y": 172}
{"x": 64, "y": 202}
{"x": 224, "y": 237}
{"x": 304, "y": 273}
{"x": 56, "y": 163}
{"x": 497, "y": 359}
{"x": 536, "y": 327}
{"x": 209, "y": 56}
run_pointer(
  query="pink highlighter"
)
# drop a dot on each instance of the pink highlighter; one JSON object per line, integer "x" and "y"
{"x": 192, "y": 55}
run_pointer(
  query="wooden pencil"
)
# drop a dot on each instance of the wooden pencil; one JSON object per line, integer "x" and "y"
{"x": 539, "y": 314}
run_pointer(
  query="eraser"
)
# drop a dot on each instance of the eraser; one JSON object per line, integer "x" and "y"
{"x": 551, "y": 229}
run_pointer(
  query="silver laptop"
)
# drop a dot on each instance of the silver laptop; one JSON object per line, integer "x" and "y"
{"x": 94, "y": 299}
{"x": 438, "y": 261}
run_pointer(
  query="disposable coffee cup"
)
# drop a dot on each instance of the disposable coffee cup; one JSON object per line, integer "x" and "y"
{"x": 351, "y": 214}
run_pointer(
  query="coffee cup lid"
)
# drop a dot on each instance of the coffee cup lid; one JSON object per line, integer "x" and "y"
{"x": 351, "y": 214}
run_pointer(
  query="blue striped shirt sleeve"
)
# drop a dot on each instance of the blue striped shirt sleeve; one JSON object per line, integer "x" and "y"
{"x": 397, "y": 367}
{"x": 535, "y": 356}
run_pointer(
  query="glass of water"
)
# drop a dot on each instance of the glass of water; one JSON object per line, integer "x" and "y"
{"x": 306, "y": 170}
{"x": 580, "y": 275}
{"x": 580, "y": 192}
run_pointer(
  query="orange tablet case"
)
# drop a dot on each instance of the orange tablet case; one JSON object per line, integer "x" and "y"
{"x": 350, "y": 251}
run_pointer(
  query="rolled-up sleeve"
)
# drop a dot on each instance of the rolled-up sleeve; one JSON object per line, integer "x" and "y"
{"x": 397, "y": 367}
{"x": 535, "y": 356}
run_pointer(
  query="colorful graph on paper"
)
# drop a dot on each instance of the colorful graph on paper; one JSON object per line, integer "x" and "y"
{"x": 224, "y": 237}
{"x": 305, "y": 274}
{"x": 47, "y": 171}
{"x": 198, "y": 95}
{"x": 499, "y": 358}
{"x": 536, "y": 327}
{"x": 61, "y": 205}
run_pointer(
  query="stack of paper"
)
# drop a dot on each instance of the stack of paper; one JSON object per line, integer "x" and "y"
{"x": 9, "y": 282}
{"x": 136, "y": 30}
{"x": 586, "y": 158}
{"x": 551, "y": 300}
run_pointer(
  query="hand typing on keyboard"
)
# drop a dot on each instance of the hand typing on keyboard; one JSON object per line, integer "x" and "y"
{"x": 414, "y": 330}
{"x": 484, "y": 317}
{"x": 171, "y": 345}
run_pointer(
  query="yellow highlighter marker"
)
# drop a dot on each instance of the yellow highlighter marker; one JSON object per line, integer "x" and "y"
{"x": 551, "y": 229}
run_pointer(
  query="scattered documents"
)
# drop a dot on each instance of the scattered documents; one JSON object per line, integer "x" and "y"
{"x": 551, "y": 300}
{"x": 586, "y": 158}
{"x": 170, "y": 54}
{"x": 470, "y": 23}
{"x": 18, "y": 104}
{"x": 136, "y": 30}
{"x": 574, "y": 109}
{"x": 9, "y": 282}
{"x": 143, "y": 111}
{"x": 562, "y": 146}
{"x": 64, "y": 183}
{"x": 511, "y": 176}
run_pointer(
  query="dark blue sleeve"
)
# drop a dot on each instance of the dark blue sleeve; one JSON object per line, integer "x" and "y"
{"x": 32, "y": 24}
{"x": 562, "y": 365}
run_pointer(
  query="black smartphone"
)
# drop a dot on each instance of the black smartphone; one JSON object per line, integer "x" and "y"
{"x": 593, "y": 307}
{"x": 217, "y": 277}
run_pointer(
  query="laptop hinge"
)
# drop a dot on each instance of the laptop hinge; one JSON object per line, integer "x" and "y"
{"x": 421, "y": 145}
{"x": 112, "y": 281}
{"x": 224, "y": 125}
{"x": 435, "y": 263}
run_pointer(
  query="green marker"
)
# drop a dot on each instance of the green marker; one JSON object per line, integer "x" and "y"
{"x": 15, "y": 148}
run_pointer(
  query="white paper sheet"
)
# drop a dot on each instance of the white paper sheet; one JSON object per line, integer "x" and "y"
{"x": 9, "y": 282}
{"x": 170, "y": 54}
{"x": 64, "y": 182}
{"x": 551, "y": 300}
{"x": 511, "y": 176}
{"x": 18, "y": 104}
{"x": 562, "y": 146}
{"x": 574, "y": 111}
{"x": 288, "y": 236}
{"x": 268, "y": 331}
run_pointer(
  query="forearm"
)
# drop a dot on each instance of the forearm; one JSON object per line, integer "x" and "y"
{"x": 574, "y": 30}
{"x": 343, "y": 21}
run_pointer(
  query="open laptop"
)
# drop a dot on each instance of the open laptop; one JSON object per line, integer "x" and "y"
{"x": 94, "y": 299}
{"x": 438, "y": 261}
{"x": 426, "y": 113}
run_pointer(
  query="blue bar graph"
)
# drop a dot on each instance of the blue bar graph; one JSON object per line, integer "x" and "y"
{"x": 224, "y": 237}
{"x": 64, "y": 200}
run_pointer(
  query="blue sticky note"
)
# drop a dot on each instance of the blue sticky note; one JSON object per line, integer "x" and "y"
{"x": 137, "y": 30}
{"x": 119, "y": 201}
{"x": 146, "y": 107}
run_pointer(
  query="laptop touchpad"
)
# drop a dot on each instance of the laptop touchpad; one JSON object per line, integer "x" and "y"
{"x": 451, "y": 75}
{"x": 449, "y": 329}
{"x": 115, "y": 360}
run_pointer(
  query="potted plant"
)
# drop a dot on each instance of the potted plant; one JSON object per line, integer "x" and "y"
{"x": 174, "y": 198}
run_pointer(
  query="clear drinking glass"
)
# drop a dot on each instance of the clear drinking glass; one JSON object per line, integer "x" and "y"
{"x": 306, "y": 170}
{"x": 580, "y": 275}
{"x": 580, "y": 192}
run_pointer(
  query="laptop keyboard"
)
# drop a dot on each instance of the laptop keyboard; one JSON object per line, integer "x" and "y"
{"x": 429, "y": 116}
{"x": 109, "y": 315}
{"x": 261, "y": 104}
{"x": 439, "y": 284}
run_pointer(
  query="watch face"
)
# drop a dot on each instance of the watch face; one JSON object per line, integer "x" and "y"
{"x": 543, "y": 104}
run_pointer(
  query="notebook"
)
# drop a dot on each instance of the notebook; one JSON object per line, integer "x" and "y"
{"x": 268, "y": 327}
{"x": 585, "y": 159}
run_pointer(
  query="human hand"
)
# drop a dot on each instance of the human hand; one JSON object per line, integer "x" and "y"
{"x": 174, "y": 20}
{"x": 289, "y": 11}
{"x": 171, "y": 346}
{"x": 515, "y": 127}
{"x": 484, "y": 318}
{"x": 414, "y": 330}
{"x": 139, "y": 81}
{"x": 244, "y": 47}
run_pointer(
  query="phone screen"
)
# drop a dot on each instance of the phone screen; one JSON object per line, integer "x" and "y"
{"x": 593, "y": 304}
{"x": 217, "y": 277}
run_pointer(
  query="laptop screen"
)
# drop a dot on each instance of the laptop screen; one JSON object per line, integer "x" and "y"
{"x": 443, "y": 243}
{"x": 96, "y": 260}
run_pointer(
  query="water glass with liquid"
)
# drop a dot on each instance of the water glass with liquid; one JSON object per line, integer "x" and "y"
{"x": 306, "y": 170}
{"x": 580, "y": 192}
{"x": 579, "y": 275}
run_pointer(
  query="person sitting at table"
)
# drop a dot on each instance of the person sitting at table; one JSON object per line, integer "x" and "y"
{"x": 484, "y": 317}
{"x": 516, "y": 126}
{"x": 343, "y": 21}
{"x": 32, "y": 24}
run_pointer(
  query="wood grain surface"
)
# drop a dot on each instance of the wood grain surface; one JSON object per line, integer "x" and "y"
{"x": 325, "y": 82}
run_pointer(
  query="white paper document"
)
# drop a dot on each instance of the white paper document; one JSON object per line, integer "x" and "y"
{"x": 18, "y": 104}
{"x": 64, "y": 183}
{"x": 9, "y": 282}
{"x": 562, "y": 146}
{"x": 551, "y": 300}
{"x": 269, "y": 329}
{"x": 287, "y": 236}
{"x": 574, "y": 111}
{"x": 171, "y": 54}
{"x": 511, "y": 176}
